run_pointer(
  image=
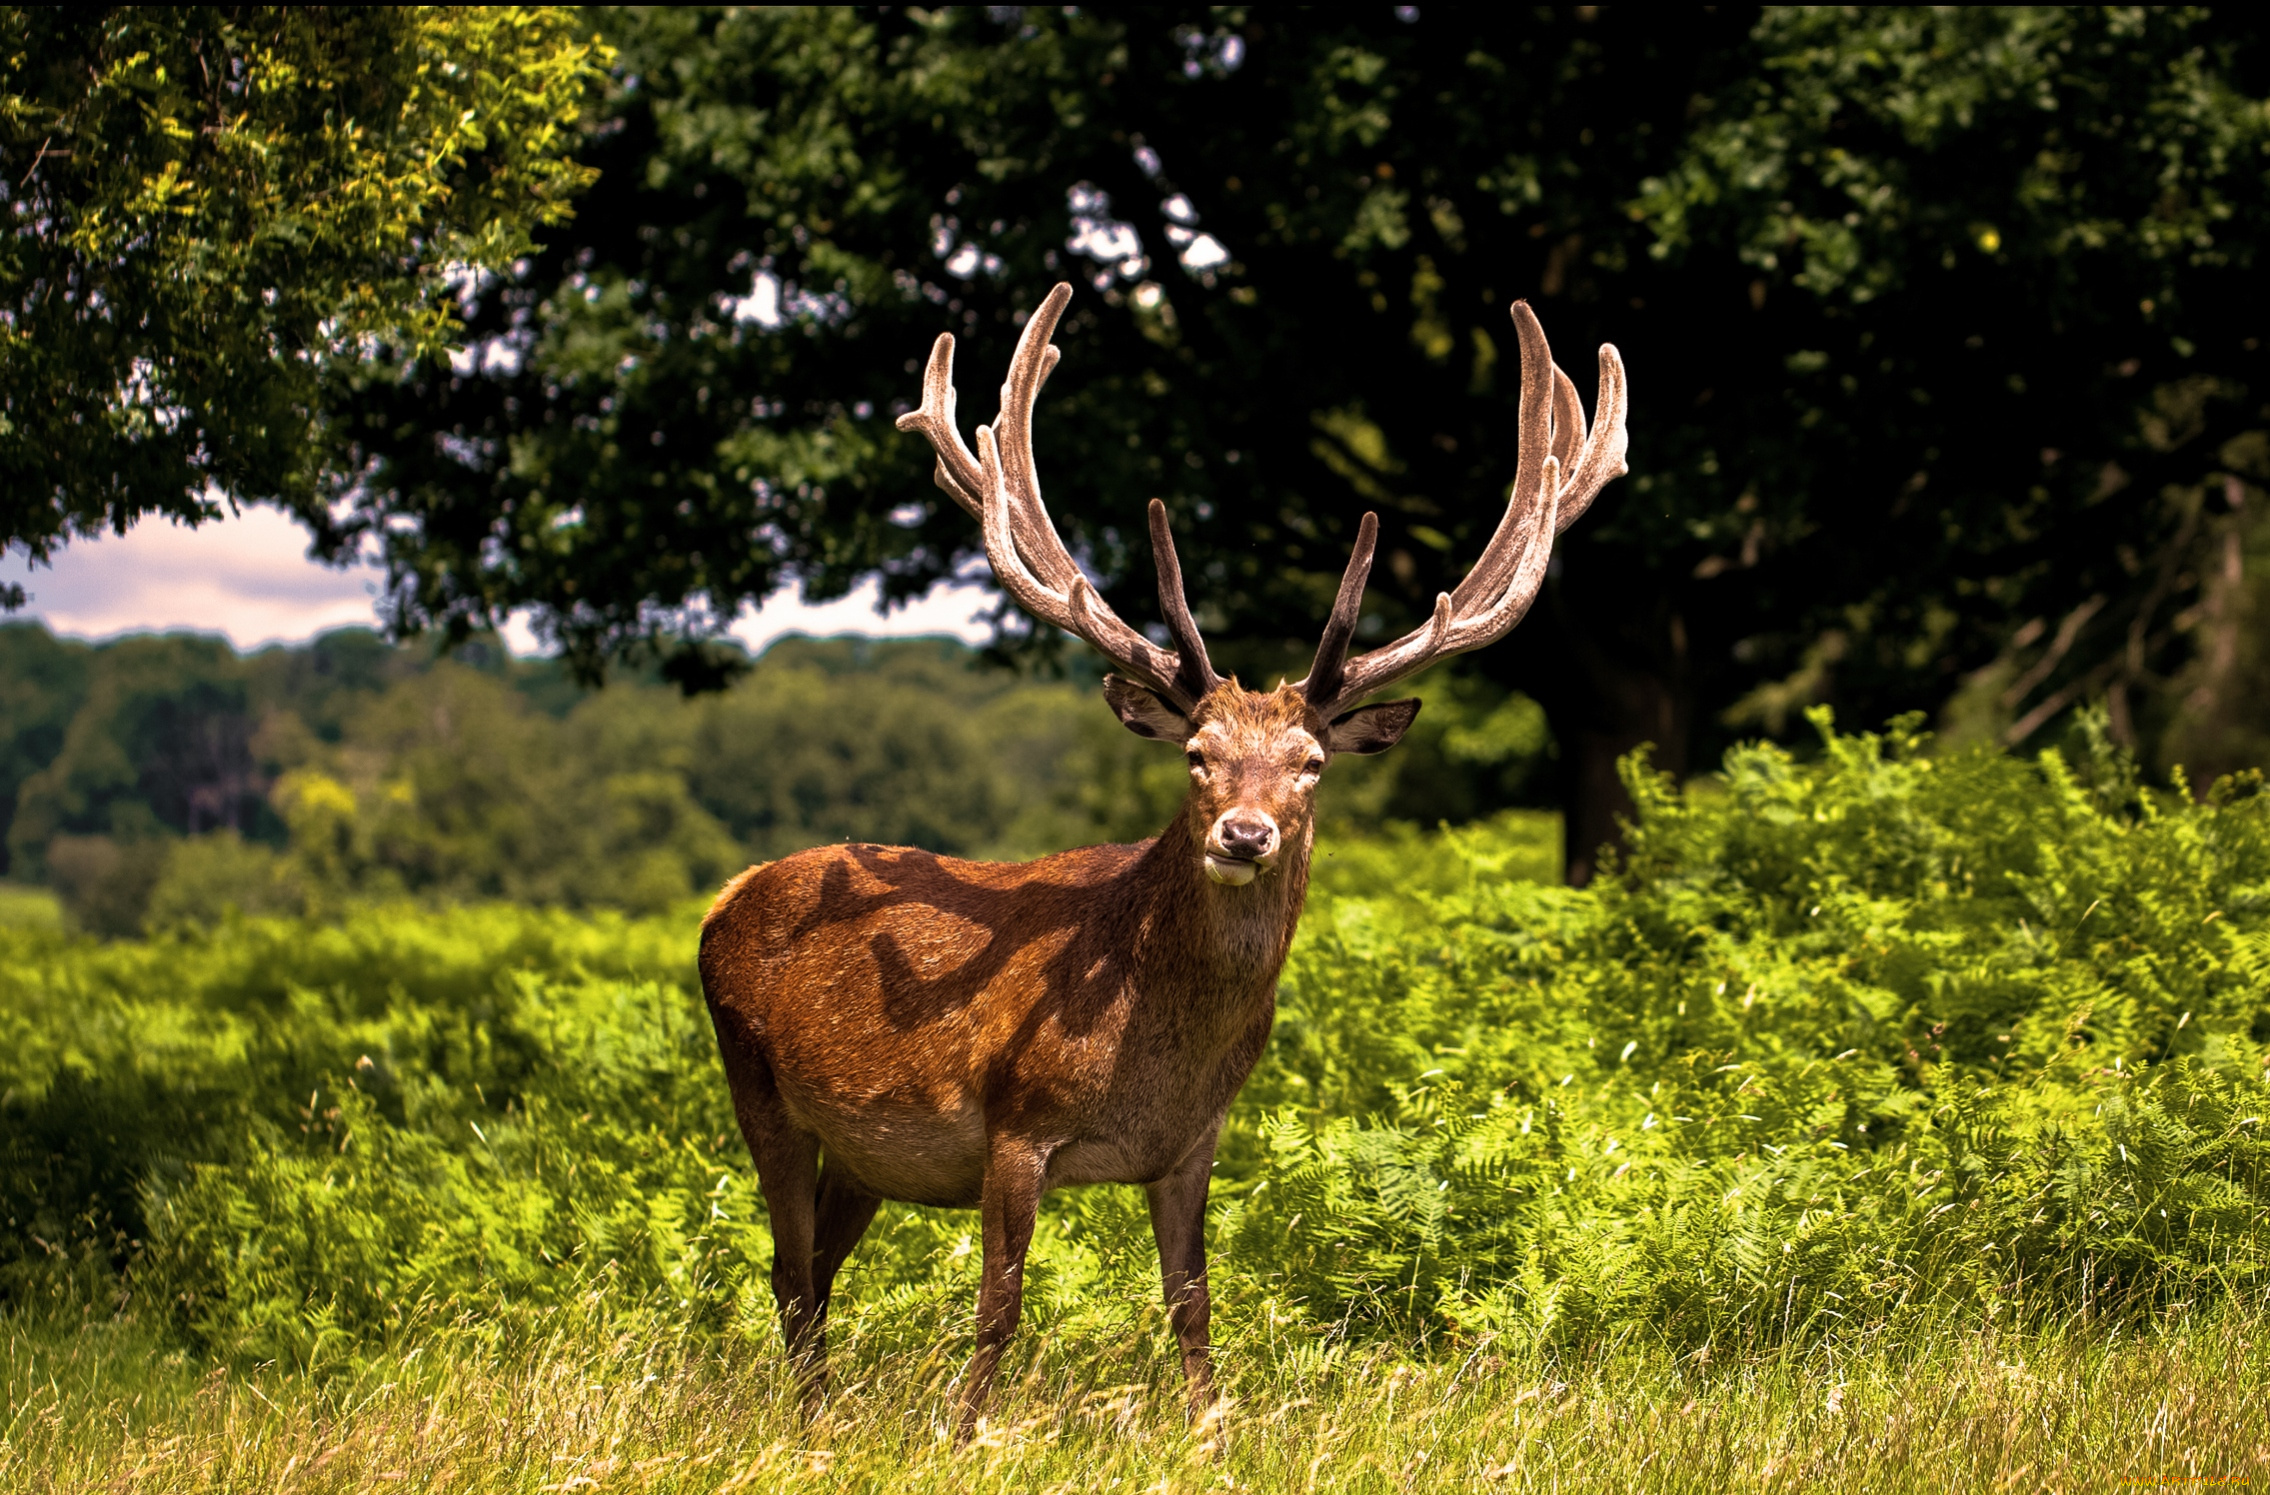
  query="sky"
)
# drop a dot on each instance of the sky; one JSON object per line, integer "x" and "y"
{"x": 249, "y": 579}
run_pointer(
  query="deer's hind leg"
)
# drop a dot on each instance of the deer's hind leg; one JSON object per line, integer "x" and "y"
{"x": 788, "y": 1173}
{"x": 842, "y": 1214}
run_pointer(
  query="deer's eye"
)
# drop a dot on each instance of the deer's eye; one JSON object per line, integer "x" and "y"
{"x": 1197, "y": 760}
{"x": 1313, "y": 766}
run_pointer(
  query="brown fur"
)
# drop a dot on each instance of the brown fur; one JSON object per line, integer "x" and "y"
{"x": 973, "y": 1034}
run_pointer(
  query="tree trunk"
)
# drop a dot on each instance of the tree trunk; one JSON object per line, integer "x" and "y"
{"x": 1638, "y": 710}
{"x": 1612, "y": 677}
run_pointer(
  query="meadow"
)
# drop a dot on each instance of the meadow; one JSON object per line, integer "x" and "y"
{"x": 1886, "y": 1118}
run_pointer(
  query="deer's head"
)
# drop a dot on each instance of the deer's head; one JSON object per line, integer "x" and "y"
{"x": 1256, "y": 758}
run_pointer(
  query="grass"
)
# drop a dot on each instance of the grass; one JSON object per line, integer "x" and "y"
{"x": 25, "y": 907}
{"x": 106, "y": 1405}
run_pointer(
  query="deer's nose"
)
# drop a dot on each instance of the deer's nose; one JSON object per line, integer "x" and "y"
{"x": 1245, "y": 834}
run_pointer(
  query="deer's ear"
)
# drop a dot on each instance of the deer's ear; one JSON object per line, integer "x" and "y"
{"x": 1144, "y": 713}
{"x": 1371, "y": 729}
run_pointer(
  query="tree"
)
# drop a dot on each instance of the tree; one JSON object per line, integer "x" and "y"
{"x": 159, "y": 741}
{"x": 43, "y": 680}
{"x": 207, "y": 204}
{"x": 1943, "y": 329}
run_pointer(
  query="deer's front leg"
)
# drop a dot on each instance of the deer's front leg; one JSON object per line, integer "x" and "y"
{"x": 1014, "y": 1172}
{"x": 1178, "y": 1219}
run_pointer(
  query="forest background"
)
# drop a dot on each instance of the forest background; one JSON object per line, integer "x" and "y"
{"x": 156, "y": 781}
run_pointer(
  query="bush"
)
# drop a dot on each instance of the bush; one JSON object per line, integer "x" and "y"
{"x": 205, "y": 879}
{"x": 104, "y": 882}
{"x": 1833, "y": 1040}
{"x": 1836, "y": 1045}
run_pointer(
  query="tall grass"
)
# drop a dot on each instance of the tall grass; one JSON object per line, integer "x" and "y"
{"x": 113, "y": 1407}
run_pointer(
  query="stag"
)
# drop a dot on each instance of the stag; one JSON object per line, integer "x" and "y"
{"x": 901, "y": 1025}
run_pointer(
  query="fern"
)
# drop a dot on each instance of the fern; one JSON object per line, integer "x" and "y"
{"x": 1838, "y": 1044}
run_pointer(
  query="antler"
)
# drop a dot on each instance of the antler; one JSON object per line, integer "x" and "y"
{"x": 1497, "y": 592}
{"x": 1001, "y": 487}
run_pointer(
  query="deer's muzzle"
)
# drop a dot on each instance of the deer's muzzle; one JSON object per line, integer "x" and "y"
{"x": 1241, "y": 843}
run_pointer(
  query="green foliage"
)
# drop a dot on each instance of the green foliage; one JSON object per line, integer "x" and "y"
{"x": 134, "y": 1069}
{"x": 450, "y": 784}
{"x": 207, "y": 204}
{"x": 451, "y": 1209}
{"x": 1840, "y": 1047}
{"x": 203, "y": 880}
{"x": 185, "y": 781}
{"x": 161, "y": 740}
{"x": 1942, "y": 325}
{"x": 22, "y": 906}
{"x": 42, "y": 683}
{"x": 106, "y": 884}
{"x": 1835, "y": 1040}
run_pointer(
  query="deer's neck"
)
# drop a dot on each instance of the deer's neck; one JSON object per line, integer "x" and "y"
{"x": 1230, "y": 939}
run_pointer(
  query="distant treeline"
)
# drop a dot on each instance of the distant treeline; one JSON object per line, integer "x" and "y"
{"x": 166, "y": 778}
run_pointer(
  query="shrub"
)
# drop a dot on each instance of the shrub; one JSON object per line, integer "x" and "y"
{"x": 1881, "y": 1031}
{"x": 1835, "y": 1045}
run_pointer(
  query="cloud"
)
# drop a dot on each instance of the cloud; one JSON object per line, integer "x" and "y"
{"x": 250, "y": 579}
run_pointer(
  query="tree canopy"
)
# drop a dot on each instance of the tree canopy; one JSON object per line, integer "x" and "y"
{"x": 205, "y": 205}
{"x": 1943, "y": 329}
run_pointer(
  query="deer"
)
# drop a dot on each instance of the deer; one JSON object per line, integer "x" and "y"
{"x": 901, "y": 1025}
